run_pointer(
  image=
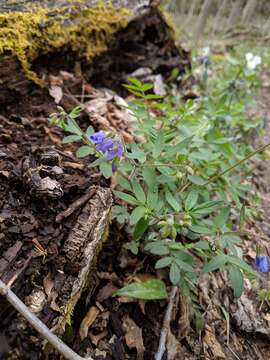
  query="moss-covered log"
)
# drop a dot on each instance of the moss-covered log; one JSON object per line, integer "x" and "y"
{"x": 108, "y": 38}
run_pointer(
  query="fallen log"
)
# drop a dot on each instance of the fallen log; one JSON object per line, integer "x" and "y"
{"x": 107, "y": 40}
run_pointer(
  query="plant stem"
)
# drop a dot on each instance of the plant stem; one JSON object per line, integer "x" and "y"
{"x": 57, "y": 343}
{"x": 260, "y": 149}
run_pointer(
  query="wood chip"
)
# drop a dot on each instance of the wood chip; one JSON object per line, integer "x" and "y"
{"x": 133, "y": 336}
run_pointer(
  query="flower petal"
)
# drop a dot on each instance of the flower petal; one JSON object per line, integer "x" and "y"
{"x": 98, "y": 137}
{"x": 105, "y": 145}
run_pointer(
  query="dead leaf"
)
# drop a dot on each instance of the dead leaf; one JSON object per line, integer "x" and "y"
{"x": 142, "y": 304}
{"x": 183, "y": 321}
{"x": 73, "y": 165}
{"x": 106, "y": 292}
{"x": 53, "y": 304}
{"x": 48, "y": 285}
{"x": 267, "y": 317}
{"x": 89, "y": 319}
{"x": 133, "y": 336}
{"x": 4, "y": 173}
{"x": 55, "y": 80}
{"x": 140, "y": 277}
{"x": 98, "y": 106}
{"x": 214, "y": 345}
{"x": 56, "y": 92}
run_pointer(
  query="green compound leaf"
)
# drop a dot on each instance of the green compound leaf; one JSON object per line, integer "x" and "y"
{"x": 136, "y": 82}
{"x": 140, "y": 228}
{"x": 84, "y": 150}
{"x": 136, "y": 215}
{"x": 157, "y": 248}
{"x": 126, "y": 197}
{"x": 191, "y": 199}
{"x": 237, "y": 280}
{"x": 200, "y": 229}
{"x": 174, "y": 274}
{"x": 138, "y": 191}
{"x": 221, "y": 219}
{"x": 159, "y": 145}
{"x": 152, "y": 199}
{"x": 197, "y": 180}
{"x": 106, "y": 169}
{"x": 73, "y": 127}
{"x": 172, "y": 201}
{"x": 216, "y": 263}
{"x": 123, "y": 182}
{"x": 207, "y": 207}
{"x": 183, "y": 265}
{"x": 149, "y": 290}
{"x": 164, "y": 262}
{"x": 90, "y": 131}
{"x": 150, "y": 177}
{"x": 235, "y": 260}
{"x": 71, "y": 138}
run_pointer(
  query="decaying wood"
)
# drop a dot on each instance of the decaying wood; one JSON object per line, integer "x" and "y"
{"x": 135, "y": 5}
{"x": 82, "y": 248}
{"x": 146, "y": 40}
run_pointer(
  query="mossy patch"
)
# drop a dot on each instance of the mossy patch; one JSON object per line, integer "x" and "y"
{"x": 39, "y": 30}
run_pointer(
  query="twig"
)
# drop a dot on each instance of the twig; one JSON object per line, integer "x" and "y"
{"x": 166, "y": 325}
{"x": 75, "y": 205}
{"x": 57, "y": 343}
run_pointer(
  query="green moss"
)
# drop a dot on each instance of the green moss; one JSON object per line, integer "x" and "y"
{"x": 39, "y": 30}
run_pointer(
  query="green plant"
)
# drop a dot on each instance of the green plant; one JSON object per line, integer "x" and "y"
{"x": 181, "y": 192}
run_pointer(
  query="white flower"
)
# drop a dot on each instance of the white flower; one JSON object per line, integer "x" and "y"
{"x": 253, "y": 61}
{"x": 205, "y": 51}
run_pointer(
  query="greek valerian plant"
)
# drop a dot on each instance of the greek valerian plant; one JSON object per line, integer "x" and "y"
{"x": 176, "y": 192}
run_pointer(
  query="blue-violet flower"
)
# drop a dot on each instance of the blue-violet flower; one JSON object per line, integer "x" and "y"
{"x": 111, "y": 148}
{"x": 261, "y": 262}
{"x": 105, "y": 145}
{"x": 116, "y": 151}
{"x": 98, "y": 137}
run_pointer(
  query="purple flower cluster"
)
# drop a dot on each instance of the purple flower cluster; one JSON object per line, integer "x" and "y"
{"x": 261, "y": 262}
{"x": 111, "y": 148}
{"x": 204, "y": 60}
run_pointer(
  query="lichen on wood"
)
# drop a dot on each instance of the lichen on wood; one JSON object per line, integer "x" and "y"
{"x": 39, "y": 30}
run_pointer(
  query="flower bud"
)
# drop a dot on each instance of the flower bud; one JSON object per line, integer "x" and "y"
{"x": 173, "y": 233}
{"x": 170, "y": 220}
{"x": 165, "y": 231}
{"x": 162, "y": 223}
{"x": 187, "y": 217}
{"x": 190, "y": 170}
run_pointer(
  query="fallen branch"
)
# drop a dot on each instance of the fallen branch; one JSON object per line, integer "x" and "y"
{"x": 166, "y": 325}
{"x": 57, "y": 343}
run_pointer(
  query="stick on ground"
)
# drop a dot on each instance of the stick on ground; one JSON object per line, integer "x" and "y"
{"x": 166, "y": 325}
{"x": 75, "y": 205}
{"x": 57, "y": 343}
